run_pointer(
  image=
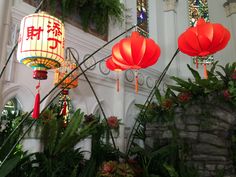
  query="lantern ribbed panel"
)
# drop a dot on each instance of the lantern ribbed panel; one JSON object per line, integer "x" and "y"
{"x": 41, "y": 41}
{"x": 112, "y": 66}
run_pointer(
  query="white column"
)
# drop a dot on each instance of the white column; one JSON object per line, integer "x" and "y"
{"x": 170, "y": 36}
{"x": 230, "y": 9}
{"x": 5, "y": 15}
{"x": 119, "y": 110}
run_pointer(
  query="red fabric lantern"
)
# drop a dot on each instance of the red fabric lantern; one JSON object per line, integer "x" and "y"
{"x": 135, "y": 52}
{"x": 112, "y": 66}
{"x": 204, "y": 39}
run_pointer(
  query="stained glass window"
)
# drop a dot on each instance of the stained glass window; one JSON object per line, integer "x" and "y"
{"x": 11, "y": 107}
{"x": 142, "y": 17}
{"x": 199, "y": 9}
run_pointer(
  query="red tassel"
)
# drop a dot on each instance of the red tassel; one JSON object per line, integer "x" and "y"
{"x": 63, "y": 111}
{"x": 205, "y": 71}
{"x": 35, "y": 114}
{"x": 136, "y": 82}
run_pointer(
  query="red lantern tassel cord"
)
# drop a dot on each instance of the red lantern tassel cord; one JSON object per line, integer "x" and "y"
{"x": 205, "y": 71}
{"x": 136, "y": 82}
{"x": 117, "y": 82}
{"x": 196, "y": 61}
{"x": 36, "y": 111}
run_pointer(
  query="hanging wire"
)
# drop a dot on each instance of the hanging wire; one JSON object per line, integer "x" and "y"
{"x": 16, "y": 44}
{"x": 52, "y": 90}
{"x": 34, "y": 121}
{"x": 24, "y": 119}
{"x": 96, "y": 97}
{"x": 147, "y": 103}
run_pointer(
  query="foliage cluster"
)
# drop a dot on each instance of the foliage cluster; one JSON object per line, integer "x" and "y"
{"x": 220, "y": 87}
{"x": 59, "y": 157}
{"x": 97, "y": 13}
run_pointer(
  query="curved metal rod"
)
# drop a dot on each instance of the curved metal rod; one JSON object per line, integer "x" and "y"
{"x": 23, "y": 120}
{"x": 22, "y": 136}
{"x": 147, "y": 103}
{"x": 16, "y": 44}
{"x": 94, "y": 93}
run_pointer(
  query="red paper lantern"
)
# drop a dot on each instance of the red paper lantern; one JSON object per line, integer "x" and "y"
{"x": 203, "y": 40}
{"x": 135, "y": 52}
{"x": 112, "y": 66}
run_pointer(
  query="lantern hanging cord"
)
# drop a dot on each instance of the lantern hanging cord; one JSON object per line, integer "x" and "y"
{"x": 29, "y": 127}
{"x": 16, "y": 44}
{"x": 94, "y": 93}
{"x": 147, "y": 103}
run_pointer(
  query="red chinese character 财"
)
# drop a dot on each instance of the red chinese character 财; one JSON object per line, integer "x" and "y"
{"x": 32, "y": 32}
{"x": 55, "y": 28}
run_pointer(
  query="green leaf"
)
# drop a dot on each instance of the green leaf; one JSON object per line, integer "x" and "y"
{"x": 50, "y": 134}
{"x": 158, "y": 95}
{"x": 177, "y": 88}
{"x": 140, "y": 106}
{"x": 70, "y": 133}
{"x": 181, "y": 82}
{"x": 172, "y": 172}
{"x": 194, "y": 73}
{"x": 222, "y": 77}
{"x": 74, "y": 172}
{"x": 8, "y": 166}
{"x": 213, "y": 67}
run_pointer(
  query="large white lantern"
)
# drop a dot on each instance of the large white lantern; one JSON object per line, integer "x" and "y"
{"x": 41, "y": 43}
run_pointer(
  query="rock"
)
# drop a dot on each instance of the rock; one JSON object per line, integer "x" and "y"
{"x": 192, "y": 128}
{"x": 224, "y": 116}
{"x": 211, "y": 167}
{"x": 211, "y": 139}
{"x": 179, "y": 124}
{"x": 192, "y": 120}
{"x": 167, "y": 134}
{"x": 188, "y": 135}
{"x": 210, "y": 150}
{"x": 210, "y": 158}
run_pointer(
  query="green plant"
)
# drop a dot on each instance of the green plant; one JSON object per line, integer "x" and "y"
{"x": 219, "y": 87}
{"x": 93, "y": 13}
{"x": 99, "y": 146}
{"x": 7, "y": 123}
{"x": 58, "y": 156}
